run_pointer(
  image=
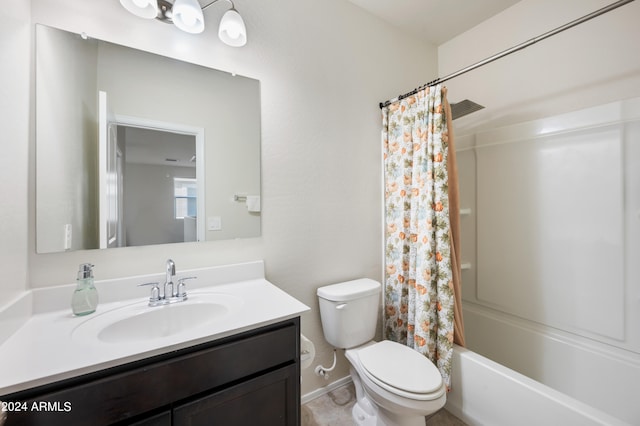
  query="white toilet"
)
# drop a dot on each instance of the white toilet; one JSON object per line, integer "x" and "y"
{"x": 395, "y": 385}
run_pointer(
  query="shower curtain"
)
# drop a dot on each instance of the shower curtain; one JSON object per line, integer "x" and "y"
{"x": 422, "y": 262}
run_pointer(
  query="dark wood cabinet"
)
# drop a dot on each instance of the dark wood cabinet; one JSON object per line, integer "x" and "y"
{"x": 252, "y": 378}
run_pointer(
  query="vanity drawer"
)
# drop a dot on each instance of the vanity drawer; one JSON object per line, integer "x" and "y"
{"x": 189, "y": 373}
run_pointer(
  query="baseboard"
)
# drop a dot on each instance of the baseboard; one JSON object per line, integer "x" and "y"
{"x": 325, "y": 389}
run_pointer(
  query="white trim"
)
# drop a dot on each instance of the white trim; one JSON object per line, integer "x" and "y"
{"x": 325, "y": 390}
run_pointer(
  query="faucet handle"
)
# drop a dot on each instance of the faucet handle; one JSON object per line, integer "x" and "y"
{"x": 181, "y": 290}
{"x": 155, "y": 291}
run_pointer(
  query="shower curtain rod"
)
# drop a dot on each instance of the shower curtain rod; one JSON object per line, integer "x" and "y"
{"x": 511, "y": 50}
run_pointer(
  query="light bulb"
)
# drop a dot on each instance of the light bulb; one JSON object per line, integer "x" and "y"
{"x": 147, "y": 9}
{"x": 187, "y": 15}
{"x": 232, "y": 30}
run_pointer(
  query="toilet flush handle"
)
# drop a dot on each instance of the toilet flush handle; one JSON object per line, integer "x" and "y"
{"x": 341, "y": 306}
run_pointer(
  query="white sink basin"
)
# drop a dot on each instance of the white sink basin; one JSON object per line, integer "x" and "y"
{"x": 139, "y": 322}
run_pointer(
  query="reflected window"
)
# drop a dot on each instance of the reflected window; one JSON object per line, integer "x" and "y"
{"x": 185, "y": 192}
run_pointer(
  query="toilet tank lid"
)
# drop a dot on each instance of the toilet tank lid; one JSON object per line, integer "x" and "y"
{"x": 349, "y": 290}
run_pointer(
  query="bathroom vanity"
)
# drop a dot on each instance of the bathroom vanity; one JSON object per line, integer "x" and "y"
{"x": 242, "y": 368}
{"x": 246, "y": 379}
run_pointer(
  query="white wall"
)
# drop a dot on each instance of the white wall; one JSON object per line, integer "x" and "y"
{"x": 15, "y": 103}
{"x": 149, "y": 194}
{"x": 323, "y": 67}
{"x": 65, "y": 71}
{"x": 591, "y": 64}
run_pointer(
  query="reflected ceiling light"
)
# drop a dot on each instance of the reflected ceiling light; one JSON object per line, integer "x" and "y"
{"x": 187, "y": 15}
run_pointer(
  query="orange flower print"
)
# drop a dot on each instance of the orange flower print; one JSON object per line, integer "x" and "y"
{"x": 392, "y": 186}
{"x": 410, "y": 328}
{"x": 390, "y": 310}
{"x": 438, "y": 157}
{"x": 403, "y": 193}
{"x": 394, "y": 107}
{"x": 405, "y": 266}
{"x": 411, "y": 100}
{"x": 421, "y": 289}
{"x": 391, "y": 228}
{"x": 399, "y": 322}
{"x": 404, "y": 308}
{"x": 391, "y": 269}
{"x": 425, "y": 240}
{"x": 438, "y": 207}
{"x": 439, "y": 109}
{"x": 407, "y": 180}
{"x": 406, "y": 222}
{"x": 414, "y": 238}
{"x": 394, "y": 147}
{"x": 426, "y": 274}
{"x": 415, "y": 192}
{"x": 420, "y": 340}
{"x": 406, "y": 137}
{"x": 439, "y": 306}
{"x": 400, "y": 279}
{"x": 439, "y": 256}
{"x": 417, "y": 146}
{"x": 424, "y": 325}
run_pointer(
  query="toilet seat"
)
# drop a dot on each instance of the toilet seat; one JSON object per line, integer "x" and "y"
{"x": 401, "y": 370}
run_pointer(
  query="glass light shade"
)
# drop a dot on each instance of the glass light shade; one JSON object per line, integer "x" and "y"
{"x": 232, "y": 30}
{"x": 187, "y": 15}
{"x": 147, "y": 9}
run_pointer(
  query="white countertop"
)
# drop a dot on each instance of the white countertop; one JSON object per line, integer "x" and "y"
{"x": 45, "y": 349}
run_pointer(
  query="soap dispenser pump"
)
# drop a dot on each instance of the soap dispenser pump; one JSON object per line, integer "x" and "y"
{"x": 85, "y": 297}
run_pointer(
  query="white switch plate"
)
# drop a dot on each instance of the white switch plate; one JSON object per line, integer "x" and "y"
{"x": 214, "y": 223}
{"x": 67, "y": 236}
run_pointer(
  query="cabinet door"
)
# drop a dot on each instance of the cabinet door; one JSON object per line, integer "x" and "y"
{"x": 160, "y": 419}
{"x": 267, "y": 400}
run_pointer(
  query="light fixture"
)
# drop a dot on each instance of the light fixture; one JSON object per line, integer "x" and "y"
{"x": 188, "y": 16}
{"x": 232, "y": 30}
{"x": 147, "y": 9}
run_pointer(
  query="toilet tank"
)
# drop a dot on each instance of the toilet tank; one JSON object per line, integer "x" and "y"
{"x": 349, "y": 312}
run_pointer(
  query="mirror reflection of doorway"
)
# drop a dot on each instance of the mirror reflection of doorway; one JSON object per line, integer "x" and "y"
{"x": 160, "y": 186}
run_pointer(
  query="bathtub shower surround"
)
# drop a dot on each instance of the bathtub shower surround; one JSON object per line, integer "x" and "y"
{"x": 421, "y": 267}
{"x": 552, "y": 239}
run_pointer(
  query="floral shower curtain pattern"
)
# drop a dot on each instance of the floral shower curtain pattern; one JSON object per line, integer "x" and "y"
{"x": 420, "y": 260}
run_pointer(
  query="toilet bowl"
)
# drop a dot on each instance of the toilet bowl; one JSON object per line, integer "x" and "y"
{"x": 395, "y": 385}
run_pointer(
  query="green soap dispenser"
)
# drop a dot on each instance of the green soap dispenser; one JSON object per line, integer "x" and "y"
{"x": 85, "y": 298}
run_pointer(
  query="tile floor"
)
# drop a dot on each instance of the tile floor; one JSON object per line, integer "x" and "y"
{"x": 334, "y": 409}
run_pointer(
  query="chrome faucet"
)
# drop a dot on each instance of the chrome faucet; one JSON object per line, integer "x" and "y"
{"x": 168, "y": 283}
{"x": 171, "y": 294}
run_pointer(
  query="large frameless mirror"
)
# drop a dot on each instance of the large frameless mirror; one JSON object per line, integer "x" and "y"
{"x": 134, "y": 148}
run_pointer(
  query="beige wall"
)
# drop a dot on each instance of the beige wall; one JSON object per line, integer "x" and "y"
{"x": 323, "y": 67}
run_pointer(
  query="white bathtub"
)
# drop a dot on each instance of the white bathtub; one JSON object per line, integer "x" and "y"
{"x": 486, "y": 393}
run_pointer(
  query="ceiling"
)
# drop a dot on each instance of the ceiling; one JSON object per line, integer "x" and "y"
{"x": 452, "y": 17}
